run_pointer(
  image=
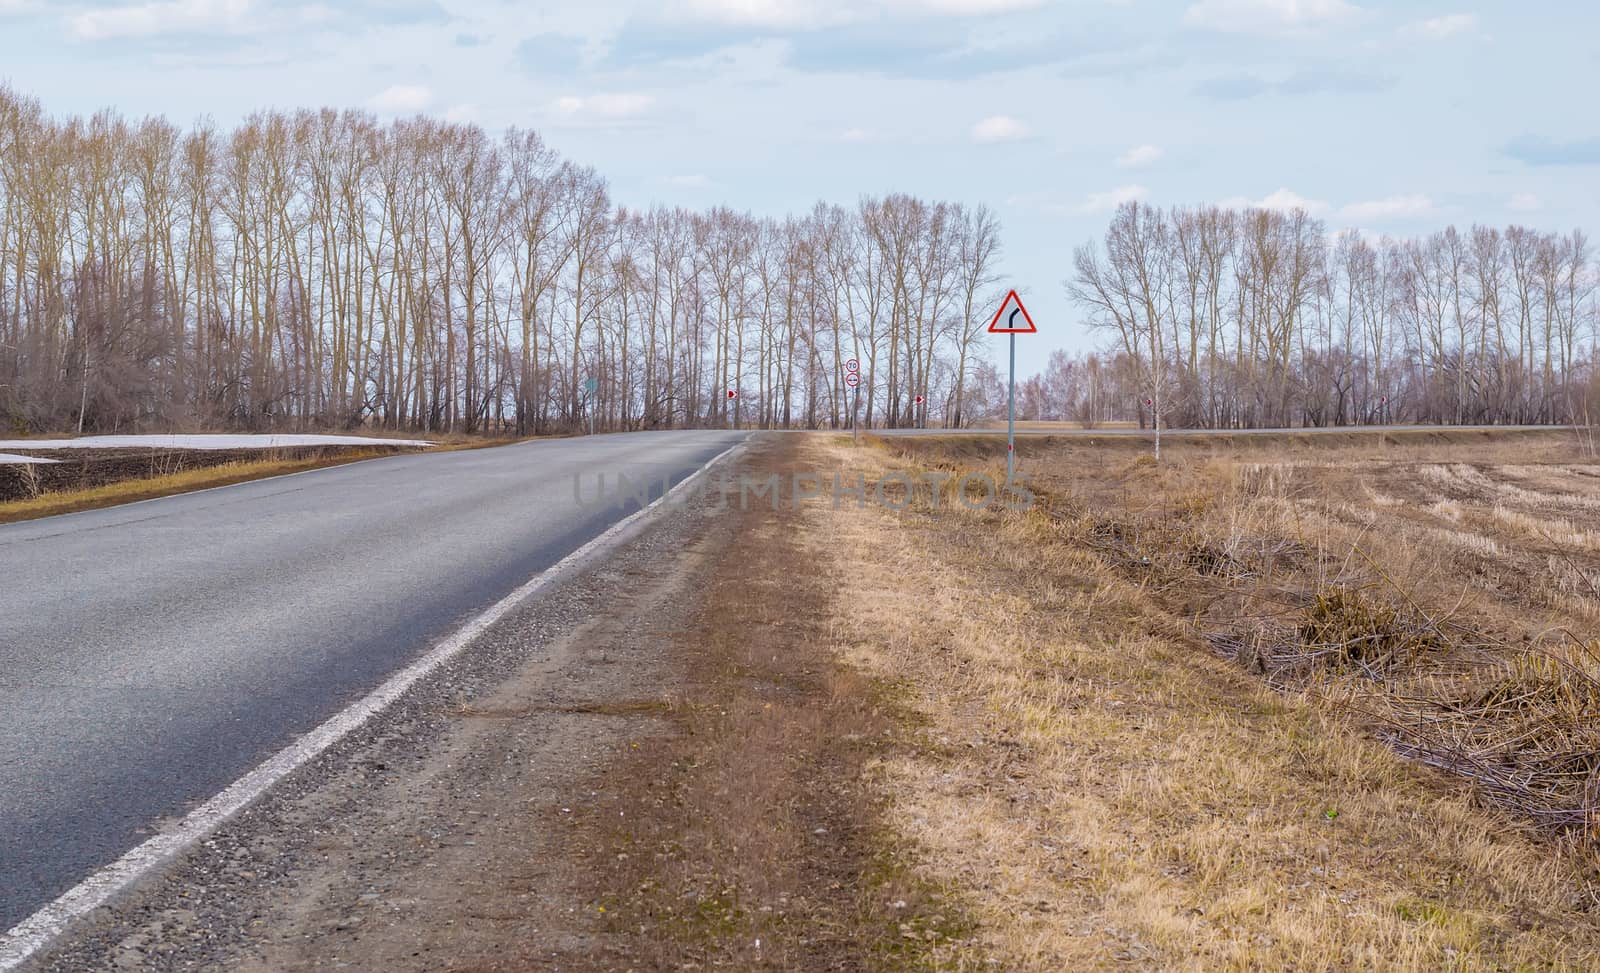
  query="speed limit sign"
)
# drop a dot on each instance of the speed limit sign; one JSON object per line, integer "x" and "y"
{"x": 852, "y": 366}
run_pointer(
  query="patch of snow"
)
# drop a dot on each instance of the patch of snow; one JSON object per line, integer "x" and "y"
{"x": 13, "y": 458}
{"x": 216, "y": 441}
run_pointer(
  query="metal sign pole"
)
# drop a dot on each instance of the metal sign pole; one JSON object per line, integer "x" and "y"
{"x": 1011, "y": 414}
{"x": 852, "y": 383}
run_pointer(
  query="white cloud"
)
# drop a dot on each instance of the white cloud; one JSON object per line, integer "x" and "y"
{"x": 1140, "y": 156}
{"x": 401, "y": 99}
{"x": 1389, "y": 209}
{"x": 963, "y": 8}
{"x": 857, "y": 135}
{"x": 162, "y": 17}
{"x": 612, "y": 106}
{"x": 1270, "y": 16}
{"x": 817, "y": 14}
{"x": 999, "y": 128}
{"x": 1386, "y": 210}
{"x": 1283, "y": 200}
{"x": 698, "y": 180}
{"x": 781, "y": 14}
{"x": 1102, "y": 202}
{"x": 1439, "y": 28}
{"x": 1525, "y": 203}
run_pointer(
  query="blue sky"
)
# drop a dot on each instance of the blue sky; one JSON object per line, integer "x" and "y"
{"x": 1396, "y": 118}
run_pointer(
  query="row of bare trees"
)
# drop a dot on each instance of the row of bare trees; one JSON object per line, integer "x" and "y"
{"x": 1259, "y": 318}
{"x": 318, "y": 269}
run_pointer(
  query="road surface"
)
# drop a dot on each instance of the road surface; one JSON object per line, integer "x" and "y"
{"x": 151, "y": 654}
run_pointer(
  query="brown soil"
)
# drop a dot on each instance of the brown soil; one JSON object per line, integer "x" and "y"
{"x": 751, "y": 836}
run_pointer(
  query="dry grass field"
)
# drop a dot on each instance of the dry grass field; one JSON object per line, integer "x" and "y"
{"x": 1446, "y": 586}
{"x": 1289, "y": 704}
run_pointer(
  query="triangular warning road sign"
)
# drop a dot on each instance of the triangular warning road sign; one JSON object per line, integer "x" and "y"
{"x": 1005, "y": 320}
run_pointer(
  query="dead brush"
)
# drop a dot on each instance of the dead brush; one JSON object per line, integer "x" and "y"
{"x": 1346, "y": 628}
{"x": 1161, "y": 555}
{"x": 1366, "y": 612}
{"x": 1265, "y": 479}
{"x": 1525, "y": 732}
{"x": 1343, "y": 630}
{"x": 28, "y": 473}
{"x": 1215, "y": 561}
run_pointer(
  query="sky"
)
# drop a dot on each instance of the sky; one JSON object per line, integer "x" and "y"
{"x": 1396, "y": 118}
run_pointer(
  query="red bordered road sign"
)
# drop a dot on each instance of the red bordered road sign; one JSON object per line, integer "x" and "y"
{"x": 852, "y": 380}
{"x": 851, "y": 365}
{"x": 920, "y": 400}
{"x": 733, "y": 393}
{"x": 1006, "y": 319}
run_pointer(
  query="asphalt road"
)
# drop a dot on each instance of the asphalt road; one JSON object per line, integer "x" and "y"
{"x": 153, "y": 653}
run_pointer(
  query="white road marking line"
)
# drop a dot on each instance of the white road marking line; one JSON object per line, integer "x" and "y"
{"x": 37, "y": 931}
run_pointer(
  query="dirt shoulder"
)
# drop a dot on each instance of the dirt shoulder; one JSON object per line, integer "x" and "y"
{"x": 751, "y": 835}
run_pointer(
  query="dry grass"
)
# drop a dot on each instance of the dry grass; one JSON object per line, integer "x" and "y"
{"x": 1403, "y": 609}
{"x": 186, "y": 481}
{"x": 1106, "y": 790}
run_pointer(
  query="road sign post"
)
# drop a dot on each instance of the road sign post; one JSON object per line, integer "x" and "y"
{"x": 589, "y": 385}
{"x": 852, "y": 381}
{"x": 1012, "y": 328}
